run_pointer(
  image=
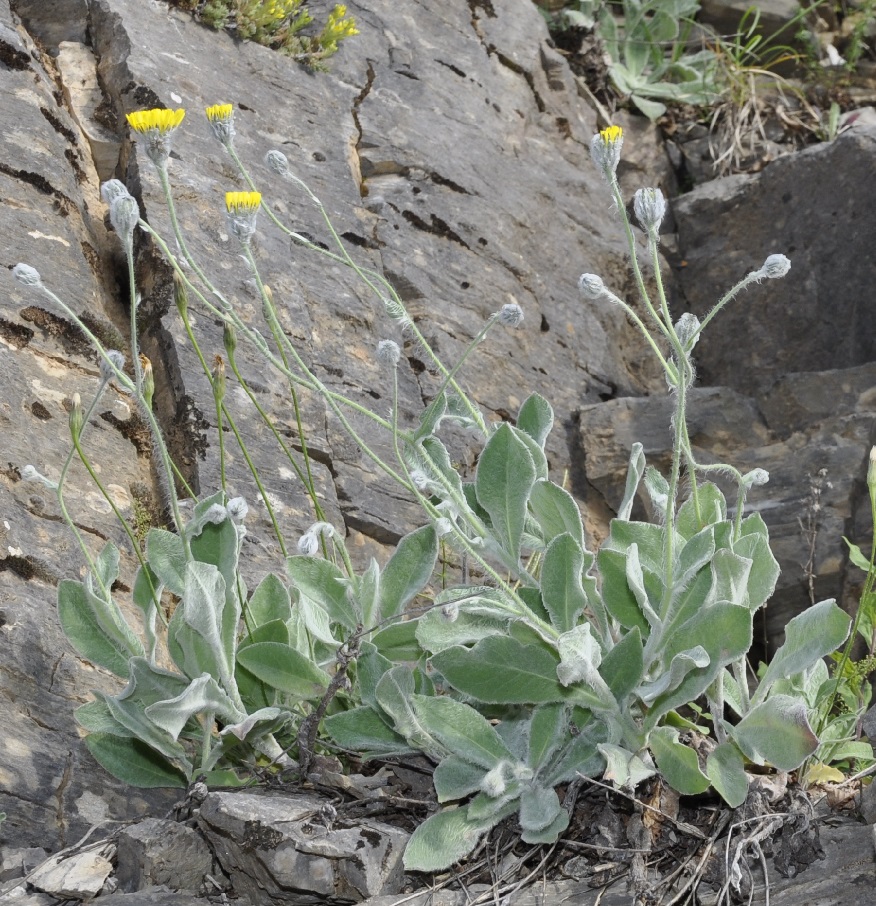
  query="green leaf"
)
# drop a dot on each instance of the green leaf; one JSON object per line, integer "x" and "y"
{"x": 555, "y": 511}
{"x": 270, "y": 601}
{"x": 146, "y": 595}
{"x": 275, "y": 631}
{"x": 363, "y": 731}
{"x": 713, "y": 509}
{"x": 658, "y": 490}
{"x": 536, "y": 418}
{"x": 580, "y": 755}
{"x": 731, "y": 574}
{"x": 461, "y": 730}
{"x": 811, "y": 635}
{"x": 635, "y": 471}
{"x": 408, "y": 570}
{"x": 754, "y": 544}
{"x": 647, "y": 537}
{"x": 539, "y": 459}
{"x": 505, "y": 476}
{"x": 167, "y": 559}
{"x": 394, "y": 694}
{"x": 324, "y": 587}
{"x": 619, "y": 600}
{"x": 725, "y": 767}
{"x": 645, "y": 584}
{"x": 202, "y": 696}
{"x": 677, "y": 762}
{"x": 456, "y": 778}
{"x": 96, "y": 628}
{"x": 133, "y": 762}
{"x": 622, "y": 667}
{"x": 437, "y": 464}
{"x": 431, "y": 417}
{"x": 445, "y": 838}
{"x": 549, "y": 834}
{"x": 777, "y": 732}
{"x": 539, "y": 808}
{"x": 96, "y": 717}
{"x": 283, "y": 668}
{"x": 502, "y": 670}
{"x": 561, "y": 589}
{"x": 548, "y": 729}
{"x": 856, "y": 555}
{"x": 398, "y": 641}
{"x": 218, "y": 544}
{"x": 624, "y": 768}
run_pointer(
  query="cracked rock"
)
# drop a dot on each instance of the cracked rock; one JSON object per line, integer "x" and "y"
{"x": 156, "y": 852}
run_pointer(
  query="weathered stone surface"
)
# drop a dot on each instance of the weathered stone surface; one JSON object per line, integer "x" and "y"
{"x": 74, "y": 876}
{"x": 816, "y": 207}
{"x": 152, "y": 896}
{"x": 158, "y": 852}
{"x": 290, "y": 850}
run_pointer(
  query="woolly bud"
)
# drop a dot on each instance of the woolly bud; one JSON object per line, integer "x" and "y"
{"x": 591, "y": 287}
{"x": 237, "y": 509}
{"x": 113, "y": 189}
{"x": 27, "y": 275}
{"x": 511, "y": 315}
{"x": 686, "y": 327}
{"x": 29, "y": 473}
{"x": 229, "y": 338}
{"x": 278, "y": 162}
{"x": 650, "y": 208}
{"x": 124, "y": 216}
{"x": 443, "y": 527}
{"x": 215, "y": 514}
{"x": 308, "y": 543}
{"x": 493, "y": 782}
{"x": 775, "y": 266}
{"x": 109, "y": 368}
{"x": 755, "y": 477}
{"x": 388, "y": 352}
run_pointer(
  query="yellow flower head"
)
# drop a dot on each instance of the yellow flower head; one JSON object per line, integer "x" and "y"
{"x": 242, "y": 202}
{"x": 611, "y": 134}
{"x": 158, "y": 120}
{"x": 220, "y": 113}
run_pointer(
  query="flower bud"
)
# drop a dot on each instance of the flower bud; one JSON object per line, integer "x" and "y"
{"x": 493, "y": 782}
{"x": 77, "y": 417}
{"x": 237, "y": 509}
{"x": 511, "y": 315}
{"x": 148, "y": 380}
{"x": 686, "y": 327}
{"x": 113, "y": 189}
{"x": 871, "y": 472}
{"x": 29, "y": 473}
{"x": 217, "y": 377}
{"x": 124, "y": 216}
{"x": 27, "y": 275}
{"x": 108, "y": 368}
{"x": 388, "y": 352}
{"x": 180, "y": 294}
{"x": 775, "y": 266}
{"x": 650, "y": 208}
{"x": 591, "y": 287}
{"x": 755, "y": 478}
{"x": 278, "y": 162}
{"x": 229, "y": 338}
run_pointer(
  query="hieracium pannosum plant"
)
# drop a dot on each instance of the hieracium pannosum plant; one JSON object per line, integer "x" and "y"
{"x": 555, "y": 663}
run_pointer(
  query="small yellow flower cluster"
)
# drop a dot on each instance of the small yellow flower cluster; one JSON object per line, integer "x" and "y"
{"x": 242, "y": 202}
{"x": 162, "y": 121}
{"x": 337, "y": 28}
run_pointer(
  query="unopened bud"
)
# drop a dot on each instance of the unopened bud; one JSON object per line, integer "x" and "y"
{"x": 278, "y": 162}
{"x": 388, "y": 352}
{"x": 109, "y": 368}
{"x": 217, "y": 377}
{"x": 871, "y": 472}
{"x": 148, "y": 380}
{"x": 237, "y": 509}
{"x": 494, "y": 783}
{"x": 113, "y": 189}
{"x": 775, "y": 266}
{"x": 650, "y": 208}
{"x": 77, "y": 417}
{"x": 180, "y": 294}
{"x": 124, "y": 216}
{"x": 686, "y": 327}
{"x": 756, "y": 477}
{"x": 511, "y": 315}
{"x": 591, "y": 287}
{"x": 229, "y": 338}
{"x": 27, "y": 275}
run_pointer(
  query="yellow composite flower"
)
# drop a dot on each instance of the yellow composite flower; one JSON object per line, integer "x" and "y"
{"x": 158, "y": 120}
{"x": 242, "y": 202}
{"x": 611, "y": 134}
{"x": 605, "y": 149}
{"x": 219, "y": 113}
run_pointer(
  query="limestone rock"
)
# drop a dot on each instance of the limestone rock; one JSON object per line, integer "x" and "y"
{"x": 291, "y": 849}
{"x": 158, "y": 852}
{"x": 74, "y": 876}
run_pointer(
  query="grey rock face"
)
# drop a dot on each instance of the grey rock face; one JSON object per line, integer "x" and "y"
{"x": 158, "y": 852}
{"x": 289, "y": 849}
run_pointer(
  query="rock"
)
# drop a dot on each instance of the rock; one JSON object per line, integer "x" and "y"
{"x": 158, "y": 852}
{"x": 15, "y": 862}
{"x": 74, "y": 876}
{"x": 725, "y": 16}
{"x": 804, "y": 206}
{"x": 152, "y": 896}
{"x": 291, "y": 849}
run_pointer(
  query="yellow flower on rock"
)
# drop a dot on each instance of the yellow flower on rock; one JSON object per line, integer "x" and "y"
{"x": 220, "y": 113}
{"x": 156, "y": 126}
{"x": 221, "y": 117}
{"x": 163, "y": 121}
